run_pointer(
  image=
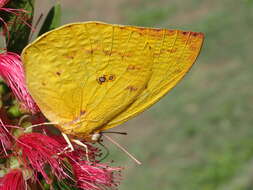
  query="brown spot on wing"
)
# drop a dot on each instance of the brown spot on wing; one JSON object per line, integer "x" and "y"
{"x": 193, "y": 47}
{"x": 101, "y": 79}
{"x": 177, "y": 71}
{"x": 106, "y": 52}
{"x": 89, "y": 51}
{"x": 133, "y": 67}
{"x": 111, "y": 78}
{"x": 82, "y": 112}
{"x": 70, "y": 55}
{"x": 170, "y": 32}
{"x": 158, "y": 29}
{"x": 195, "y": 34}
{"x": 126, "y": 54}
{"x": 131, "y": 88}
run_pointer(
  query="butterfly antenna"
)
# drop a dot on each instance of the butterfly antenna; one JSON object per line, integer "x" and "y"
{"x": 114, "y": 132}
{"x": 106, "y": 149}
{"x": 123, "y": 149}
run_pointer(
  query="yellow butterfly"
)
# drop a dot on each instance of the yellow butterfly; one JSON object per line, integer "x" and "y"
{"x": 92, "y": 76}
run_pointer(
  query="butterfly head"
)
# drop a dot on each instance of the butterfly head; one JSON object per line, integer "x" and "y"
{"x": 96, "y": 137}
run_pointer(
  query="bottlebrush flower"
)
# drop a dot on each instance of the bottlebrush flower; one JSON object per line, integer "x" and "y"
{"x": 5, "y": 138}
{"x": 38, "y": 151}
{"x": 3, "y": 2}
{"x": 11, "y": 70}
{"x": 95, "y": 176}
{"x": 13, "y": 180}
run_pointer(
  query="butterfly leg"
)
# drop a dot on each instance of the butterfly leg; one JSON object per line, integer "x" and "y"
{"x": 78, "y": 142}
{"x": 70, "y": 146}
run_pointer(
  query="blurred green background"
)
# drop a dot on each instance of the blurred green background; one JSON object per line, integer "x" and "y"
{"x": 200, "y": 136}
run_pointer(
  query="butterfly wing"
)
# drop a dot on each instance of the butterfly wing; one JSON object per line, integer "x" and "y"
{"x": 174, "y": 54}
{"x": 93, "y": 76}
{"x": 80, "y": 75}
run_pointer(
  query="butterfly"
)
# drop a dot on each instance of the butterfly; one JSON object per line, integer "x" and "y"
{"x": 89, "y": 77}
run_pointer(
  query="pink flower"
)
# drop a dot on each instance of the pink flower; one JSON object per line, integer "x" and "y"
{"x": 95, "y": 176}
{"x": 12, "y": 72}
{"x": 3, "y": 2}
{"x": 5, "y": 138}
{"x": 39, "y": 151}
{"x": 13, "y": 180}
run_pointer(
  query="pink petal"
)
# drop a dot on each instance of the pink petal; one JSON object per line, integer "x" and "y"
{"x": 3, "y": 2}
{"x": 95, "y": 176}
{"x": 91, "y": 175}
{"x": 38, "y": 151}
{"x": 5, "y": 138}
{"x": 11, "y": 70}
{"x": 13, "y": 180}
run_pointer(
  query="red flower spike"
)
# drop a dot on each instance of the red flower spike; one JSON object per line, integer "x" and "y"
{"x": 38, "y": 151}
{"x": 95, "y": 176}
{"x": 13, "y": 180}
{"x": 12, "y": 72}
{"x": 91, "y": 175}
{"x": 3, "y": 2}
{"x": 5, "y": 138}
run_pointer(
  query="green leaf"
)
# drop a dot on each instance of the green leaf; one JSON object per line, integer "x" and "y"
{"x": 53, "y": 19}
{"x": 19, "y": 31}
